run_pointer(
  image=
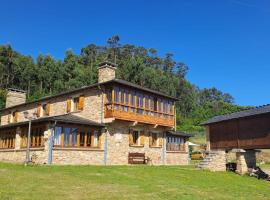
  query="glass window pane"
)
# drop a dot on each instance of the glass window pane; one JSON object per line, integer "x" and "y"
{"x": 57, "y": 135}
{"x": 66, "y": 136}
{"x": 116, "y": 92}
{"x": 95, "y": 138}
{"x": 74, "y": 136}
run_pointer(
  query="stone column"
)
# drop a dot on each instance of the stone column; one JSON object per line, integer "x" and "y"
{"x": 245, "y": 159}
{"x": 18, "y": 138}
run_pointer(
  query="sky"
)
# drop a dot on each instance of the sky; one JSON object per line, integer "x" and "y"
{"x": 225, "y": 43}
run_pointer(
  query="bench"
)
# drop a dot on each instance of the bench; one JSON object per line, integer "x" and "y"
{"x": 137, "y": 158}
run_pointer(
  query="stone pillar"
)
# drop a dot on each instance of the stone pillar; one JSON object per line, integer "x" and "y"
{"x": 47, "y": 134}
{"x": 245, "y": 159}
{"x": 18, "y": 138}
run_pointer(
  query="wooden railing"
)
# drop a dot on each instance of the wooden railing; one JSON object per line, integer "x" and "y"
{"x": 143, "y": 115}
{"x": 175, "y": 147}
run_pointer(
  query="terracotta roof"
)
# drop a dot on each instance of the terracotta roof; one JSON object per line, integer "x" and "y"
{"x": 119, "y": 81}
{"x": 67, "y": 118}
{"x": 241, "y": 114}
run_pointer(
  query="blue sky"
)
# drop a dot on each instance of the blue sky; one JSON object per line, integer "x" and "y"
{"x": 225, "y": 43}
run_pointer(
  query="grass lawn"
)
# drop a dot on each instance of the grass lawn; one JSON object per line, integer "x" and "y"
{"x": 125, "y": 182}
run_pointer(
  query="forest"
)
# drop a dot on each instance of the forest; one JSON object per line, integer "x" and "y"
{"x": 45, "y": 75}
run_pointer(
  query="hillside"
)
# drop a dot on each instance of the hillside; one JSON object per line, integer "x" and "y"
{"x": 46, "y": 76}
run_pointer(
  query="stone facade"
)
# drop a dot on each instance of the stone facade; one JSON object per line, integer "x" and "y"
{"x": 58, "y": 106}
{"x": 176, "y": 158}
{"x": 118, "y": 148}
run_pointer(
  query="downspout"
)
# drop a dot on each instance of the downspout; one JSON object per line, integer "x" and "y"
{"x": 51, "y": 143}
{"x": 164, "y": 149}
{"x": 106, "y": 130}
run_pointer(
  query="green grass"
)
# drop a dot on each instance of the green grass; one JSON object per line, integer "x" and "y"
{"x": 125, "y": 182}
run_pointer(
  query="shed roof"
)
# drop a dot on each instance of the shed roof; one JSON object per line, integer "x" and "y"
{"x": 67, "y": 118}
{"x": 241, "y": 114}
{"x": 180, "y": 133}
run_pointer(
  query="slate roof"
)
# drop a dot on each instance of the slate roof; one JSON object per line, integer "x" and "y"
{"x": 119, "y": 81}
{"x": 67, "y": 118}
{"x": 180, "y": 133}
{"x": 241, "y": 114}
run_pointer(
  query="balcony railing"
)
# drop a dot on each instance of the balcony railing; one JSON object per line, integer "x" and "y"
{"x": 175, "y": 147}
{"x": 133, "y": 113}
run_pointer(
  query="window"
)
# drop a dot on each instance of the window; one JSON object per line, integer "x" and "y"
{"x": 139, "y": 103}
{"x": 7, "y": 139}
{"x": 155, "y": 139}
{"x": 57, "y": 136}
{"x": 13, "y": 117}
{"x": 96, "y": 135}
{"x": 36, "y": 139}
{"x": 146, "y": 99}
{"x": 76, "y": 137}
{"x": 76, "y": 104}
{"x": 109, "y": 96}
{"x": 132, "y": 101}
{"x": 175, "y": 143}
{"x": 124, "y": 100}
{"x": 116, "y": 97}
{"x": 136, "y": 138}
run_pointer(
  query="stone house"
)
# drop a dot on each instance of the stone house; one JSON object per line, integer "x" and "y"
{"x": 100, "y": 124}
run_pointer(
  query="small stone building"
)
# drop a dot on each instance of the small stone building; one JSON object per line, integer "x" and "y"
{"x": 100, "y": 124}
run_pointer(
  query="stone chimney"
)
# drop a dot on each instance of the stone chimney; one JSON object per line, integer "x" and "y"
{"x": 106, "y": 71}
{"x": 15, "y": 97}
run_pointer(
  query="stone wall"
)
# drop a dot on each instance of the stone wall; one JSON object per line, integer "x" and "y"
{"x": 77, "y": 157}
{"x": 118, "y": 148}
{"x": 118, "y": 145}
{"x": 38, "y": 156}
{"x": 92, "y": 106}
{"x": 176, "y": 158}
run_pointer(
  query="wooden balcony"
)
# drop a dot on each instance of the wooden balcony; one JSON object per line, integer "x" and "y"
{"x": 142, "y": 115}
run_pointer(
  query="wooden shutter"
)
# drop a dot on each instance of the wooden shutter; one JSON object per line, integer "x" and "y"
{"x": 39, "y": 110}
{"x": 92, "y": 138}
{"x": 142, "y": 138}
{"x": 130, "y": 137}
{"x": 9, "y": 118}
{"x": 48, "y": 109}
{"x": 16, "y": 116}
{"x": 160, "y": 139}
{"x": 99, "y": 139}
{"x": 68, "y": 105}
{"x": 150, "y": 139}
{"x": 81, "y": 103}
